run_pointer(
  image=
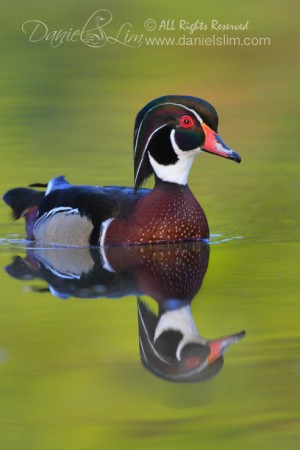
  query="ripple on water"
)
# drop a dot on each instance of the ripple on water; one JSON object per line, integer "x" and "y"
{"x": 218, "y": 239}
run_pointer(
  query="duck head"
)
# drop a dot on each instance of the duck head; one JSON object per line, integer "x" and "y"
{"x": 171, "y": 346}
{"x": 169, "y": 132}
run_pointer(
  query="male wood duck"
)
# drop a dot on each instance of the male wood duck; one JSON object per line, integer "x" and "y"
{"x": 169, "y": 132}
{"x": 171, "y": 347}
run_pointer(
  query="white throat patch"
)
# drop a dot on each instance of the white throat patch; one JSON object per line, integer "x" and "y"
{"x": 179, "y": 320}
{"x": 178, "y": 172}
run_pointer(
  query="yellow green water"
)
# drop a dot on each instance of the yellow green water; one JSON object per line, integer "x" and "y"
{"x": 70, "y": 372}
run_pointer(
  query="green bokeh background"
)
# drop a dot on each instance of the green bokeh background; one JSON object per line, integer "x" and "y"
{"x": 70, "y": 371}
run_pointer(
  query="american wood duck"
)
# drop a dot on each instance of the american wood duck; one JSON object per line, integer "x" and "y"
{"x": 171, "y": 347}
{"x": 169, "y": 132}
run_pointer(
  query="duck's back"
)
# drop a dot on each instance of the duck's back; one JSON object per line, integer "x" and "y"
{"x": 75, "y": 216}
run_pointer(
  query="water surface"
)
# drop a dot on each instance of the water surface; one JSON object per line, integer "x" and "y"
{"x": 70, "y": 368}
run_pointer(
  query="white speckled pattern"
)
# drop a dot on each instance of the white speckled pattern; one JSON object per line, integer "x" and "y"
{"x": 170, "y": 213}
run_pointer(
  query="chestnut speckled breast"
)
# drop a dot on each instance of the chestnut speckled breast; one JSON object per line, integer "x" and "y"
{"x": 165, "y": 215}
{"x": 169, "y": 133}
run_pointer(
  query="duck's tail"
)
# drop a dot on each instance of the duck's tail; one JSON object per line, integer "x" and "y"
{"x": 24, "y": 202}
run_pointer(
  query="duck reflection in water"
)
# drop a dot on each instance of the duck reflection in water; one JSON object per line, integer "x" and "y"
{"x": 172, "y": 274}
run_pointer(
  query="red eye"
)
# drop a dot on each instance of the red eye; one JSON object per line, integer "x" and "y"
{"x": 186, "y": 121}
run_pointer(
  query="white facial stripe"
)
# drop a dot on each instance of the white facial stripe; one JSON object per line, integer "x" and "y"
{"x": 179, "y": 320}
{"x": 173, "y": 140}
{"x": 161, "y": 104}
{"x": 178, "y": 150}
{"x": 145, "y": 148}
{"x": 191, "y": 110}
{"x": 149, "y": 339}
{"x": 178, "y": 172}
